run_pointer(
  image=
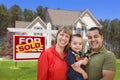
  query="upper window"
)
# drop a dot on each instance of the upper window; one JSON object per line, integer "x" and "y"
{"x": 78, "y": 30}
{"x": 38, "y": 28}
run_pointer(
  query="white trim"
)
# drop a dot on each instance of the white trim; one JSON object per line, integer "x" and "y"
{"x": 35, "y": 20}
{"x": 29, "y": 30}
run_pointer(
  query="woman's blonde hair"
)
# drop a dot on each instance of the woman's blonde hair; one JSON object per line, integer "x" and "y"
{"x": 66, "y": 30}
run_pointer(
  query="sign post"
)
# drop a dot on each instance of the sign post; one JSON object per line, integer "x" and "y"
{"x": 26, "y": 47}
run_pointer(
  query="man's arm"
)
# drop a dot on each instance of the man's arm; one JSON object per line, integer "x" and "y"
{"x": 108, "y": 75}
{"x": 109, "y": 67}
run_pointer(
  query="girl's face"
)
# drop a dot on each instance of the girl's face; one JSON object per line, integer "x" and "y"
{"x": 76, "y": 44}
{"x": 62, "y": 39}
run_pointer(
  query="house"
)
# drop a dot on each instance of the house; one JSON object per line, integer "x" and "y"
{"x": 77, "y": 21}
{"x": 71, "y": 18}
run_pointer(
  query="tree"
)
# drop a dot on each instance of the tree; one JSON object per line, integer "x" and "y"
{"x": 106, "y": 32}
{"x": 111, "y": 33}
{"x": 28, "y": 15}
{"x": 41, "y": 12}
{"x": 15, "y": 13}
{"x": 115, "y": 36}
{"x": 3, "y": 18}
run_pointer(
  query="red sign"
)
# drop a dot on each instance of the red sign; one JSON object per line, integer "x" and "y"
{"x": 28, "y": 47}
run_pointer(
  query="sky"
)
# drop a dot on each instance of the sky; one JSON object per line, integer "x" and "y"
{"x": 101, "y": 9}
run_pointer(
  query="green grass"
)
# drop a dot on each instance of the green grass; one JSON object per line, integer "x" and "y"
{"x": 117, "y": 76}
{"x": 27, "y": 70}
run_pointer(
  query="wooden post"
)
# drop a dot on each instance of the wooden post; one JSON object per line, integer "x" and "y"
{"x": 49, "y": 35}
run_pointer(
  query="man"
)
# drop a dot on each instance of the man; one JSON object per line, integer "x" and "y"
{"x": 102, "y": 63}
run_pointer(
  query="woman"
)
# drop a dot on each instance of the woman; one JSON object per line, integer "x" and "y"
{"x": 52, "y": 64}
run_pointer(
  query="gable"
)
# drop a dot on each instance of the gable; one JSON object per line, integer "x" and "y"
{"x": 37, "y": 25}
{"x": 89, "y": 19}
{"x": 37, "y": 22}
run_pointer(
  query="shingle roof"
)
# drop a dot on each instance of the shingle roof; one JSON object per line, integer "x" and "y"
{"x": 21, "y": 24}
{"x": 63, "y": 17}
{"x": 58, "y": 17}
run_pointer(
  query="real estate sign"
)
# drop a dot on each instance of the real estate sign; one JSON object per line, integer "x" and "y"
{"x": 28, "y": 47}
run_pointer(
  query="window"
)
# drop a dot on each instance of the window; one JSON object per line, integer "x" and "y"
{"x": 78, "y": 30}
{"x": 78, "y": 27}
{"x": 38, "y": 28}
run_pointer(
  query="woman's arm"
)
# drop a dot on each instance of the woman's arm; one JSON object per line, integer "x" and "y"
{"x": 42, "y": 67}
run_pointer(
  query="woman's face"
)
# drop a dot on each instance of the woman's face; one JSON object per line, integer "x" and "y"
{"x": 62, "y": 39}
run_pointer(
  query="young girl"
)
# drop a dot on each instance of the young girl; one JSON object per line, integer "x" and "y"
{"x": 75, "y": 57}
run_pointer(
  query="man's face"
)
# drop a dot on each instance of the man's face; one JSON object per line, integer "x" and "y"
{"x": 95, "y": 40}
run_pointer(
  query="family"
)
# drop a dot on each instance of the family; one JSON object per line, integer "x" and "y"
{"x": 65, "y": 60}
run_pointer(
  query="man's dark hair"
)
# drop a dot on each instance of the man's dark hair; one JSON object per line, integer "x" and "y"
{"x": 96, "y": 28}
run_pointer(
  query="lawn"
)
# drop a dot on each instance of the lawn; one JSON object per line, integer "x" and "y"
{"x": 117, "y": 76}
{"x": 27, "y": 70}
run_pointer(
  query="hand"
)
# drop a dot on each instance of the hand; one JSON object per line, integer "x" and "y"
{"x": 85, "y": 61}
{"x": 78, "y": 63}
{"x": 80, "y": 70}
{"x": 85, "y": 76}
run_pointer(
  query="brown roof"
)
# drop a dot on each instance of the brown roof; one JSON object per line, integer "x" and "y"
{"x": 63, "y": 17}
{"x": 58, "y": 17}
{"x": 21, "y": 24}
